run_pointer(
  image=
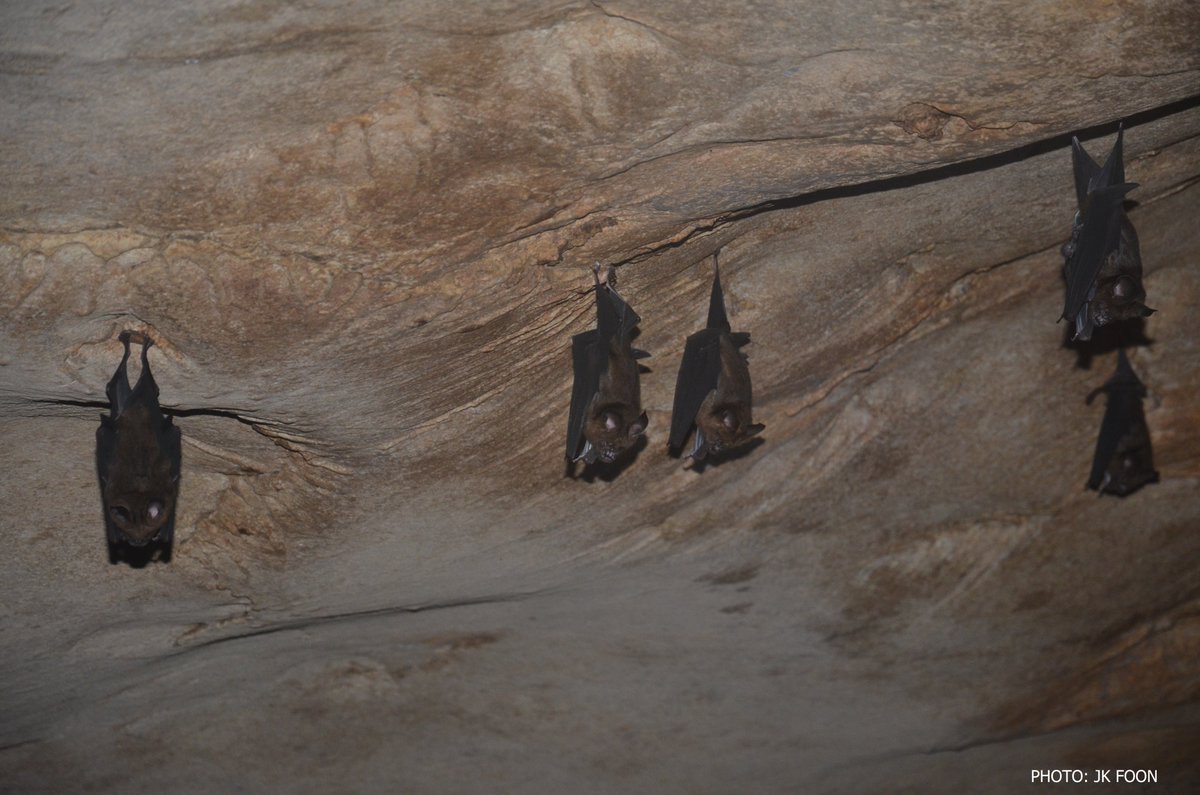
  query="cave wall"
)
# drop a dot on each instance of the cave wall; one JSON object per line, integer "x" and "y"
{"x": 361, "y": 237}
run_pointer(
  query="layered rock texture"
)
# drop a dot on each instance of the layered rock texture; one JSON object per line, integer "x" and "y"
{"x": 362, "y": 236}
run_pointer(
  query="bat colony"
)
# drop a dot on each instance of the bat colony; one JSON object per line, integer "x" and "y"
{"x": 1103, "y": 271}
{"x": 138, "y": 448}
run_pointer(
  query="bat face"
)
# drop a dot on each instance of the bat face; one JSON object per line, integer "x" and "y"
{"x": 720, "y": 427}
{"x": 606, "y": 400}
{"x": 1124, "y": 459}
{"x": 1103, "y": 267}
{"x": 611, "y": 431}
{"x": 138, "y": 459}
{"x": 712, "y": 392}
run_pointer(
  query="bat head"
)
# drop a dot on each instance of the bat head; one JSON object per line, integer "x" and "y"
{"x": 612, "y": 430}
{"x": 1128, "y": 471}
{"x": 721, "y": 428}
{"x": 1119, "y": 298}
{"x": 140, "y": 517}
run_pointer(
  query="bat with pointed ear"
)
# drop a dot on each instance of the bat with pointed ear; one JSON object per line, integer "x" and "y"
{"x": 712, "y": 391}
{"x": 606, "y": 416}
{"x": 1123, "y": 462}
{"x": 138, "y": 458}
{"x": 1103, "y": 267}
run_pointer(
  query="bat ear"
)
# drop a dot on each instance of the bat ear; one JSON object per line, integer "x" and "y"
{"x": 1147, "y": 311}
{"x": 755, "y": 429}
{"x": 1123, "y": 288}
{"x": 639, "y": 426}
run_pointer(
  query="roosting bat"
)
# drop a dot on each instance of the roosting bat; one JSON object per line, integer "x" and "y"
{"x": 712, "y": 392}
{"x": 138, "y": 458}
{"x": 1103, "y": 265}
{"x": 606, "y": 400}
{"x": 1124, "y": 461}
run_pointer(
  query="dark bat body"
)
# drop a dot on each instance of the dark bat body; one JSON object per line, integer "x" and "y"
{"x": 606, "y": 400}
{"x": 712, "y": 391}
{"x": 1103, "y": 266}
{"x": 138, "y": 458}
{"x": 1124, "y": 461}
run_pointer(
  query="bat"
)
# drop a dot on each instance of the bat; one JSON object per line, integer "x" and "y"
{"x": 1123, "y": 462}
{"x": 1103, "y": 266}
{"x": 138, "y": 458}
{"x": 606, "y": 416}
{"x": 712, "y": 391}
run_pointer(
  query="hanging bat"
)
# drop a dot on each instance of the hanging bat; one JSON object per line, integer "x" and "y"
{"x": 606, "y": 400}
{"x": 137, "y": 458}
{"x": 1103, "y": 267}
{"x": 712, "y": 391}
{"x": 1124, "y": 461}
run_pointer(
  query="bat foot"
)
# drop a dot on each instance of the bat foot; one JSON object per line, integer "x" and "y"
{"x": 610, "y": 275}
{"x": 136, "y": 337}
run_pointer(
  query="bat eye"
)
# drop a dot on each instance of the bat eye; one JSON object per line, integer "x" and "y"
{"x": 154, "y": 510}
{"x": 729, "y": 420}
{"x": 611, "y": 422}
{"x": 1128, "y": 462}
{"x": 120, "y": 514}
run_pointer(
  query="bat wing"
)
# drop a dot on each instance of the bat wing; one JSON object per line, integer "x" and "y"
{"x": 146, "y": 388}
{"x": 1118, "y": 419}
{"x": 716, "y": 305}
{"x": 698, "y": 374}
{"x": 1090, "y": 176}
{"x": 106, "y": 447}
{"x": 170, "y": 438}
{"x": 1123, "y": 433}
{"x": 118, "y": 390}
{"x": 614, "y": 317}
{"x": 1086, "y": 171}
{"x": 170, "y": 442}
{"x": 106, "y": 451}
{"x": 1124, "y": 460}
{"x": 1100, "y": 233}
{"x": 1113, "y": 172}
{"x": 585, "y": 350}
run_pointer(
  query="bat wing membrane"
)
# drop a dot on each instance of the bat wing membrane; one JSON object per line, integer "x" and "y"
{"x": 1099, "y": 236}
{"x": 585, "y": 348}
{"x": 1123, "y": 431}
{"x": 1118, "y": 419}
{"x": 1086, "y": 171}
{"x": 698, "y": 374}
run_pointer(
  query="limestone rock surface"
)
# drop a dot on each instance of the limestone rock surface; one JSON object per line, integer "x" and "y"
{"x": 362, "y": 234}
